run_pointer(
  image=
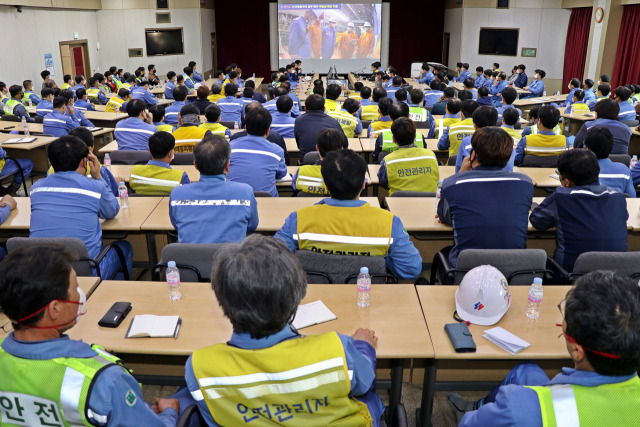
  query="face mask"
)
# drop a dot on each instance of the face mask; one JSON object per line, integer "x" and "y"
{"x": 82, "y": 302}
{"x": 173, "y": 156}
{"x": 535, "y": 76}
{"x": 569, "y": 86}
{"x": 517, "y": 71}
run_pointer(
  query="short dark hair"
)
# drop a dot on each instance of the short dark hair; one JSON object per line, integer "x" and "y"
{"x": 32, "y": 277}
{"x": 449, "y": 92}
{"x": 314, "y": 102}
{"x": 47, "y": 91}
{"x": 358, "y": 86}
{"x": 522, "y": 67}
{"x": 509, "y": 94}
{"x": 434, "y": 85}
{"x": 485, "y": 116}
{"x": 496, "y": 65}
{"x": 579, "y": 166}
{"x": 465, "y": 65}
{"x": 333, "y": 91}
{"x": 401, "y": 95}
{"x": 26, "y": 83}
{"x": 135, "y": 107}
{"x": 318, "y": 90}
{"x": 549, "y": 116}
{"x": 605, "y": 78}
{"x": 488, "y": 72}
{"x": 533, "y": 113}
{"x": 212, "y": 154}
{"x": 579, "y": 95}
{"x": 67, "y": 93}
{"x": 202, "y": 92}
{"x": 157, "y": 111}
{"x": 464, "y": 95}
{"x": 492, "y": 145}
{"x": 623, "y": 93}
{"x": 454, "y": 106}
{"x": 384, "y": 105}
{"x": 180, "y": 93}
{"x": 233, "y": 75}
{"x": 378, "y": 94}
{"x": 187, "y": 70}
{"x": 189, "y": 109}
{"x": 80, "y": 93}
{"x": 258, "y": 122}
{"x": 479, "y": 68}
{"x": 398, "y": 109}
{"x": 510, "y": 116}
{"x": 599, "y": 141}
{"x": 502, "y": 75}
{"x": 250, "y": 83}
{"x": 589, "y": 82}
{"x": 230, "y": 89}
{"x": 284, "y": 104}
{"x": 84, "y": 134}
{"x": 92, "y": 81}
{"x": 212, "y": 112}
{"x": 123, "y": 92}
{"x": 192, "y": 64}
{"x": 151, "y": 67}
{"x": 396, "y": 81}
{"x": 459, "y": 64}
{"x": 329, "y": 140}
{"x": 365, "y": 93}
{"x": 66, "y": 153}
{"x": 404, "y": 131}
{"x": 170, "y": 75}
{"x": 67, "y": 78}
{"x": 259, "y": 284}
{"x": 248, "y": 92}
{"x": 343, "y": 173}
{"x": 160, "y": 144}
{"x": 602, "y": 313}
{"x": 351, "y": 105}
{"x": 483, "y": 91}
{"x": 416, "y": 96}
{"x": 79, "y": 78}
{"x": 468, "y": 107}
{"x": 607, "y": 109}
{"x": 469, "y": 83}
{"x": 45, "y": 74}
{"x": 59, "y": 102}
{"x": 575, "y": 82}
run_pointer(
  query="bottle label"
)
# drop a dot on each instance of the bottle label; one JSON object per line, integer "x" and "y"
{"x": 123, "y": 192}
{"x": 364, "y": 287}
{"x": 534, "y": 300}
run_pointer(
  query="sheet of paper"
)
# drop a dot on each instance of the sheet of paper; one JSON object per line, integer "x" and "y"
{"x": 555, "y": 176}
{"x": 287, "y": 177}
{"x": 505, "y": 340}
{"x": 312, "y": 313}
{"x": 164, "y": 327}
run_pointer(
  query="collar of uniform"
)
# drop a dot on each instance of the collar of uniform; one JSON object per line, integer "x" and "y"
{"x": 230, "y": 98}
{"x": 596, "y": 188}
{"x": 385, "y": 119}
{"x": 415, "y": 105}
{"x": 606, "y": 161}
{"x": 342, "y": 203}
{"x": 481, "y": 168}
{"x": 213, "y": 178}
{"x": 186, "y": 125}
{"x": 452, "y": 116}
{"x": 47, "y": 349}
{"x": 545, "y": 132}
{"x": 365, "y": 102}
{"x": 314, "y": 112}
{"x": 587, "y": 378}
{"x": 244, "y": 340}
{"x": 178, "y": 103}
{"x": 159, "y": 123}
{"x": 507, "y": 126}
{"x": 159, "y": 163}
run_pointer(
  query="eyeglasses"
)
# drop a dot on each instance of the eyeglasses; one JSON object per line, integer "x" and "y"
{"x": 7, "y": 327}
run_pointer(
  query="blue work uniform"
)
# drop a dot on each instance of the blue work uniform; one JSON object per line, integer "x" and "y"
{"x": 485, "y": 100}
{"x": 139, "y": 92}
{"x": 497, "y": 89}
{"x": 79, "y": 117}
{"x": 67, "y": 204}
{"x": 272, "y": 108}
{"x": 426, "y": 77}
{"x": 635, "y": 174}
{"x": 231, "y": 109}
{"x": 621, "y": 134}
{"x": 512, "y": 404}
{"x": 101, "y": 98}
{"x": 283, "y": 123}
{"x": 197, "y": 77}
{"x": 83, "y": 105}
{"x": 273, "y": 137}
{"x": 616, "y": 176}
{"x": 10, "y": 167}
{"x": 431, "y": 97}
{"x": 35, "y": 99}
{"x": 168, "y": 89}
{"x": 627, "y": 111}
{"x": 257, "y": 162}
{"x": 44, "y": 107}
{"x": 497, "y": 199}
{"x": 188, "y": 82}
{"x": 479, "y": 81}
{"x": 192, "y": 208}
{"x": 522, "y": 145}
{"x": 296, "y": 101}
{"x": 309, "y": 125}
{"x": 171, "y": 113}
{"x": 76, "y": 87}
{"x": 106, "y": 401}
{"x": 329, "y": 36}
{"x": 133, "y": 134}
{"x": 521, "y": 80}
{"x": 536, "y": 88}
{"x": 360, "y": 357}
{"x": 488, "y": 82}
{"x": 57, "y": 124}
{"x": 569, "y": 99}
{"x": 391, "y": 92}
{"x": 402, "y": 258}
{"x": 462, "y": 77}
{"x": 504, "y": 107}
{"x": 587, "y": 218}
{"x": 465, "y": 151}
{"x": 589, "y": 95}
{"x": 299, "y": 46}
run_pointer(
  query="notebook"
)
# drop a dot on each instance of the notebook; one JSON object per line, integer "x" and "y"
{"x": 19, "y": 140}
{"x": 312, "y": 313}
{"x": 506, "y": 340}
{"x": 149, "y": 325}
{"x": 285, "y": 178}
{"x": 94, "y": 129}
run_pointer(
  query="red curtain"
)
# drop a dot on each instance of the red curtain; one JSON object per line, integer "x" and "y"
{"x": 575, "y": 50}
{"x": 627, "y": 66}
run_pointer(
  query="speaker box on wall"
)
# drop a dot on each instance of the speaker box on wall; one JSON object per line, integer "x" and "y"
{"x": 162, "y": 4}
{"x": 503, "y": 4}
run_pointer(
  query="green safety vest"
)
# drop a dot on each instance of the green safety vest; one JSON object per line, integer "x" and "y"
{"x": 310, "y": 180}
{"x": 418, "y": 114}
{"x": 93, "y": 92}
{"x": 557, "y": 130}
{"x": 458, "y": 132}
{"x": 412, "y": 169}
{"x": 10, "y": 105}
{"x": 25, "y": 98}
{"x": 152, "y": 180}
{"x": 105, "y": 89}
{"x": 615, "y": 404}
{"x": 346, "y": 120}
{"x": 389, "y": 146}
{"x": 54, "y": 391}
{"x": 118, "y": 83}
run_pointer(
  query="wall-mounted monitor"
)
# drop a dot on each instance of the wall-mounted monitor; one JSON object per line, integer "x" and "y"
{"x": 164, "y": 41}
{"x": 498, "y": 41}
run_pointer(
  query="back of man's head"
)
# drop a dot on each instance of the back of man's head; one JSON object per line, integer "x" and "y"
{"x": 483, "y": 91}
{"x": 509, "y": 94}
{"x": 384, "y": 105}
{"x": 398, "y": 109}
{"x": 230, "y": 89}
{"x": 416, "y": 96}
{"x": 79, "y": 78}
{"x": 189, "y": 110}
{"x": 212, "y": 112}
{"x": 396, "y": 81}
{"x": 66, "y": 153}
{"x": 343, "y": 173}
{"x": 599, "y": 141}
{"x": 84, "y": 134}
{"x": 188, "y": 70}
{"x": 248, "y": 92}
{"x": 351, "y": 105}
{"x": 434, "y": 85}
{"x": 378, "y": 94}
{"x": 510, "y": 116}
{"x": 468, "y": 107}
{"x": 253, "y": 105}
{"x": 404, "y": 131}
{"x": 314, "y": 102}
{"x": 607, "y": 109}
{"x": 485, "y": 116}
{"x": 358, "y": 86}
{"x": 549, "y": 116}
{"x": 258, "y": 122}
{"x": 492, "y": 146}
{"x": 401, "y": 95}
{"x": 464, "y": 95}
{"x": 80, "y": 93}
{"x": 449, "y": 92}
{"x": 469, "y": 83}
{"x": 59, "y": 102}
{"x": 180, "y": 93}
{"x": 160, "y": 144}
{"x": 157, "y": 112}
{"x": 333, "y": 91}
{"x": 454, "y": 106}
{"x": 135, "y": 107}
{"x": 212, "y": 155}
{"x": 365, "y": 93}
{"x": 579, "y": 95}
{"x": 623, "y": 93}
{"x": 579, "y": 166}
{"x": 329, "y": 140}
{"x": 284, "y": 104}
{"x": 280, "y": 91}
{"x": 123, "y": 92}
{"x": 602, "y": 314}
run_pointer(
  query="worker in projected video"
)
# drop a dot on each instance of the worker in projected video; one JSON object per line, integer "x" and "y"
{"x": 329, "y": 35}
{"x": 348, "y": 40}
{"x": 299, "y": 46}
{"x": 315, "y": 38}
{"x": 365, "y": 45}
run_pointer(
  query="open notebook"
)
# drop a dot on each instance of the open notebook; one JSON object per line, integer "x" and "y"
{"x": 311, "y": 314}
{"x": 19, "y": 140}
{"x": 149, "y": 325}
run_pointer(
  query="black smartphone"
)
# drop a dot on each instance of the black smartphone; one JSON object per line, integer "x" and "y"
{"x": 115, "y": 315}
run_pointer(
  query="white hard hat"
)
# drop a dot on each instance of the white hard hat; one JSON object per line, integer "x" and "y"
{"x": 332, "y": 20}
{"x": 483, "y": 296}
{"x": 350, "y": 24}
{"x": 366, "y": 24}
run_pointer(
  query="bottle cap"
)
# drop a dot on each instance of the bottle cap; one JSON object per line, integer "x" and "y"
{"x": 121, "y": 182}
{"x": 537, "y": 281}
{"x": 171, "y": 264}
{"x": 364, "y": 270}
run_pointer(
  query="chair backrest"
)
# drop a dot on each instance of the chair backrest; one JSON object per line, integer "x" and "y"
{"x": 630, "y": 123}
{"x": 229, "y": 125}
{"x": 519, "y": 266}
{"x": 328, "y": 268}
{"x": 625, "y": 263}
{"x": 261, "y": 194}
{"x": 423, "y": 125}
{"x": 365, "y": 126}
{"x": 76, "y": 247}
{"x": 382, "y": 155}
{"x": 625, "y": 159}
{"x": 10, "y": 118}
{"x": 452, "y": 160}
{"x": 303, "y": 194}
{"x": 130, "y": 157}
{"x": 311, "y": 158}
{"x": 182, "y": 159}
{"x": 194, "y": 260}
{"x": 413, "y": 194}
{"x": 533, "y": 161}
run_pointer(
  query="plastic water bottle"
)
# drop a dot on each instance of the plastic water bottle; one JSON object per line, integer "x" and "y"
{"x": 438, "y": 193}
{"x": 173, "y": 281}
{"x": 25, "y": 127}
{"x": 544, "y": 93}
{"x": 253, "y": 76}
{"x": 364, "y": 288}
{"x": 534, "y": 302}
{"x": 30, "y": 103}
{"x": 123, "y": 195}
{"x": 235, "y": 125}
{"x": 163, "y": 96}
{"x": 107, "y": 161}
{"x": 634, "y": 160}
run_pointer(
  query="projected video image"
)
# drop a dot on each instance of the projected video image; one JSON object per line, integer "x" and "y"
{"x": 329, "y": 31}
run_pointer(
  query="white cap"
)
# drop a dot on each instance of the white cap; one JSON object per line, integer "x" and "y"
{"x": 350, "y": 24}
{"x": 171, "y": 264}
{"x": 364, "y": 270}
{"x": 483, "y": 296}
{"x": 366, "y": 24}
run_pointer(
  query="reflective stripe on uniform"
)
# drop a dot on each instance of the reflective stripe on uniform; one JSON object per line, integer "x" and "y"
{"x": 264, "y": 153}
{"x": 591, "y": 193}
{"x": 614, "y": 175}
{"x": 464, "y": 181}
{"x": 545, "y": 149}
{"x": 333, "y": 238}
{"x": 564, "y": 405}
{"x": 121, "y": 129}
{"x": 66, "y": 190}
{"x": 70, "y": 393}
{"x": 54, "y": 120}
{"x": 230, "y": 202}
{"x": 154, "y": 181}
{"x": 409, "y": 159}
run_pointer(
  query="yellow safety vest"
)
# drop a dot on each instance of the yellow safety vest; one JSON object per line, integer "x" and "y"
{"x": 310, "y": 180}
{"x": 442, "y": 124}
{"x": 93, "y": 92}
{"x": 556, "y": 130}
{"x": 331, "y": 105}
{"x": 298, "y": 382}
{"x": 412, "y": 169}
{"x": 355, "y": 95}
{"x": 580, "y": 107}
{"x": 514, "y": 134}
{"x": 346, "y": 120}
{"x": 369, "y": 112}
{"x": 25, "y": 98}
{"x": 187, "y": 137}
{"x": 65, "y": 86}
{"x": 379, "y": 127}
{"x": 127, "y": 86}
{"x": 50, "y": 171}
{"x": 458, "y": 132}
{"x": 215, "y": 128}
{"x": 114, "y": 104}
{"x": 118, "y": 84}
{"x": 362, "y": 230}
{"x": 607, "y": 404}
{"x": 165, "y": 128}
{"x": 389, "y": 146}
{"x": 215, "y": 98}
{"x": 10, "y": 105}
{"x": 545, "y": 145}
{"x": 418, "y": 114}
{"x": 152, "y": 180}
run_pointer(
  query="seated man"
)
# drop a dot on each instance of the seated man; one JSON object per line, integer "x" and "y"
{"x": 259, "y": 285}
{"x": 254, "y": 160}
{"x": 94, "y": 93}
{"x": 510, "y": 117}
{"x": 347, "y": 116}
{"x": 396, "y": 85}
{"x": 345, "y": 225}
{"x": 170, "y": 85}
{"x": 453, "y": 135}
{"x": 30, "y": 96}
{"x": 601, "y": 320}
{"x": 232, "y": 204}
{"x": 421, "y": 115}
{"x": 369, "y": 110}
{"x": 451, "y": 117}
{"x": 308, "y": 178}
{"x": 383, "y": 123}
{"x": 67, "y": 203}
{"x": 612, "y": 174}
{"x": 60, "y": 121}
{"x": 134, "y": 133}
{"x": 577, "y": 105}
{"x": 545, "y": 142}
{"x": 309, "y": 124}
{"x": 604, "y": 90}
{"x": 409, "y": 168}
{"x": 487, "y": 205}
{"x": 156, "y": 178}
{"x": 171, "y": 113}
{"x": 81, "y": 102}
{"x": 141, "y": 91}
{"x": 157, "y": 114}
{"x": 627, "y": 112}
{"x": 213, "y": 125}
{"x": 537, "y": 85}
{"x": 469, "y": 86}
{"x": 532, "y": 129}
{"x": 13, "y": 165}
{"x": 607, "y": 111}
{"x": 333, "y": 93}
{"x": 14, "y": 107}
{"x": 282, "y": 122}
{"x": 484, "y": 98}
{"x": 202, "y": 93}
{"x": 586, "y": 214}
{"x": 509, "y": 95}
{"x": 76, "y": 113}
{"x": 216, "y": 93}
{"x": 188, "y": 133}
{"x": 39, "y": 363}
{"x": 118, "y": 103}
{"x": 384, "y": 141}
{"x": 439, "y": 107}
{"x": 232, "y": 109}
{"x": 283, "y": 90}
{"x": 45, "y": 106}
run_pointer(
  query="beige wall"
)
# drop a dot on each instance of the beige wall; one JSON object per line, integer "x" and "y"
{"x": 62, "y": 4}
